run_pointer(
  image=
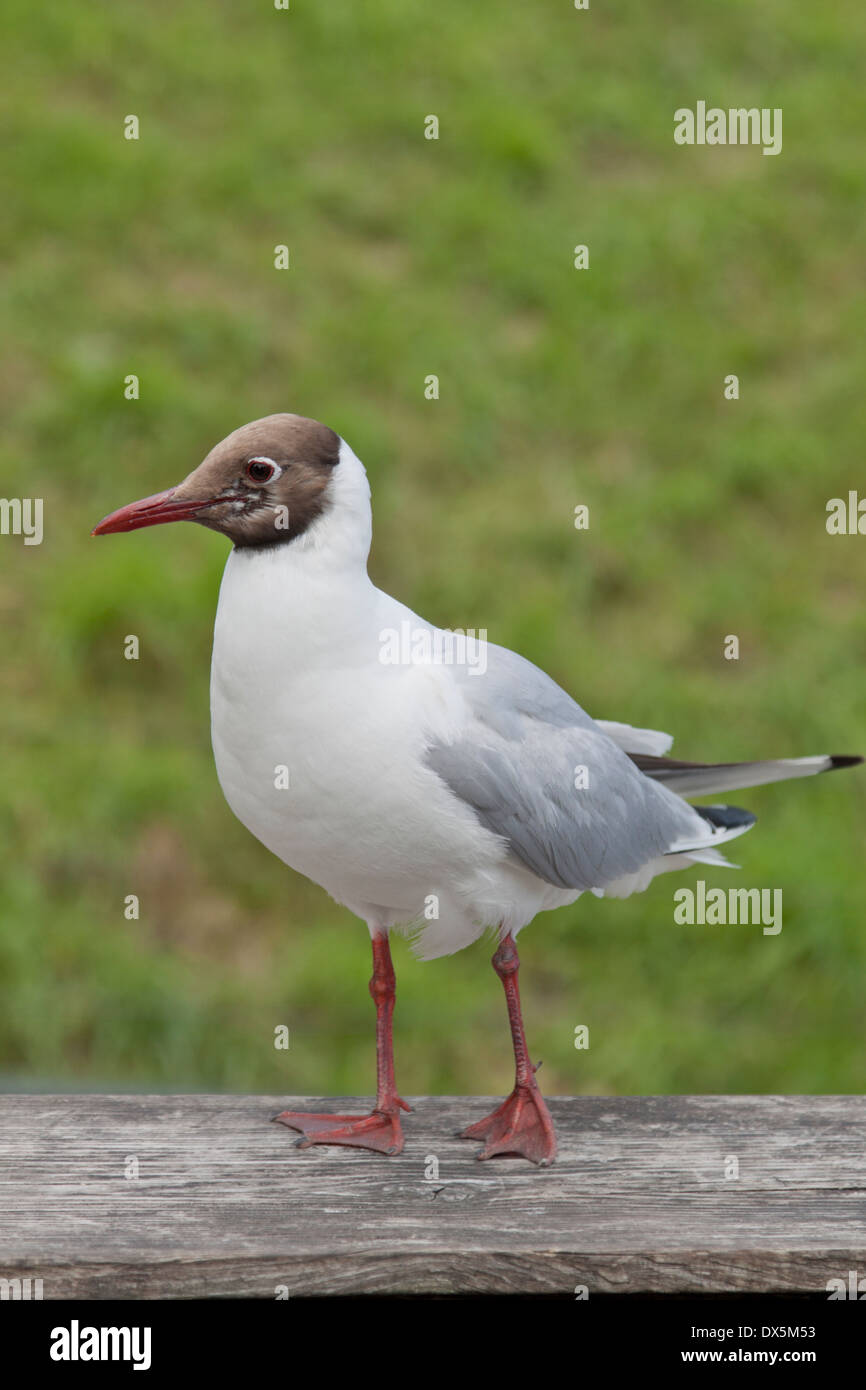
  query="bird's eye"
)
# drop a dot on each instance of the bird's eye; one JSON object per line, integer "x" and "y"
{"x": 261, "y": 470}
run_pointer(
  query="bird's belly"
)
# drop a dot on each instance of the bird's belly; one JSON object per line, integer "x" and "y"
{"x": 330, "y": 777}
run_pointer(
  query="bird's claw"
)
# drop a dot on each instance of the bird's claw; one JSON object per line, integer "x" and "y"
{"x": 520, "y": 1125}
{"x": 379, "y": 1131}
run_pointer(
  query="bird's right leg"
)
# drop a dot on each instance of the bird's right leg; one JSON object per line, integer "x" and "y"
{"x": 381, "y": 1129}
{"x": 521, "y": 1124}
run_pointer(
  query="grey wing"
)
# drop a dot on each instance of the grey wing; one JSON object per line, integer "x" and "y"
{"x": 540, "y": 772}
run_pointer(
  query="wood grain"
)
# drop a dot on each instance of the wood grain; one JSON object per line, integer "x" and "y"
{"x": 226, "y": 1206}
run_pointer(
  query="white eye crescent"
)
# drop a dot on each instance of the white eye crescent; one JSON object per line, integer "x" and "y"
{"x": 261, "y": 469}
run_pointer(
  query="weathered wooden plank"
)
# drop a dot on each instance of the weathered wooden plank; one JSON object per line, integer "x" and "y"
{"x": 225, "y": 1205}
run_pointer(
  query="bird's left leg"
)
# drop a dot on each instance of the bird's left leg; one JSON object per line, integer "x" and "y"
{"x": 381, "y": 1129}
{"x": 522, "y": 1123}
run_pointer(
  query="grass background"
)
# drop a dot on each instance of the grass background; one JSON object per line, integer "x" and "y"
{"x": 412, "y": 257}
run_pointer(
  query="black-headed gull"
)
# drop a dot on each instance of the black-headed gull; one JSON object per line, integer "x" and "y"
{"x": 433, "y": 786}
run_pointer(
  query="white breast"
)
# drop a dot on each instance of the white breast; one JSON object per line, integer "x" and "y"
{"x": 300, "y": 696}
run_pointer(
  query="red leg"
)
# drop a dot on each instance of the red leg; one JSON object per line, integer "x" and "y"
{"x": 381, "y": 1129}
{"x": 522, "y": 1123}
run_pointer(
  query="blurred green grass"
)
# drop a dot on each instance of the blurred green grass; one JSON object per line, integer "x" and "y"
{"x": 412, "y": 257}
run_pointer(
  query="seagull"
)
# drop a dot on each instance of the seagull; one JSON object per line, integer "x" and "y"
{"x": 440, "y": 789}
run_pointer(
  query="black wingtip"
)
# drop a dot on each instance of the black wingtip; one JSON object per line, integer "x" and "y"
{"x": 844, "y": 760}
{"x": 726, "y": 817}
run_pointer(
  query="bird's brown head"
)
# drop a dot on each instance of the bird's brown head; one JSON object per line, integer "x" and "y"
{"x": 263, "y": 485}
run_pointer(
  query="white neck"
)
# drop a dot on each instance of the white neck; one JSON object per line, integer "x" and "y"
{"x": 309, "y": 593}
{"x": 342, "y": 535}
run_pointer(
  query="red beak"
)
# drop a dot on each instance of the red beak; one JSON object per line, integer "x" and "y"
{"x": 150, "y": 511}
